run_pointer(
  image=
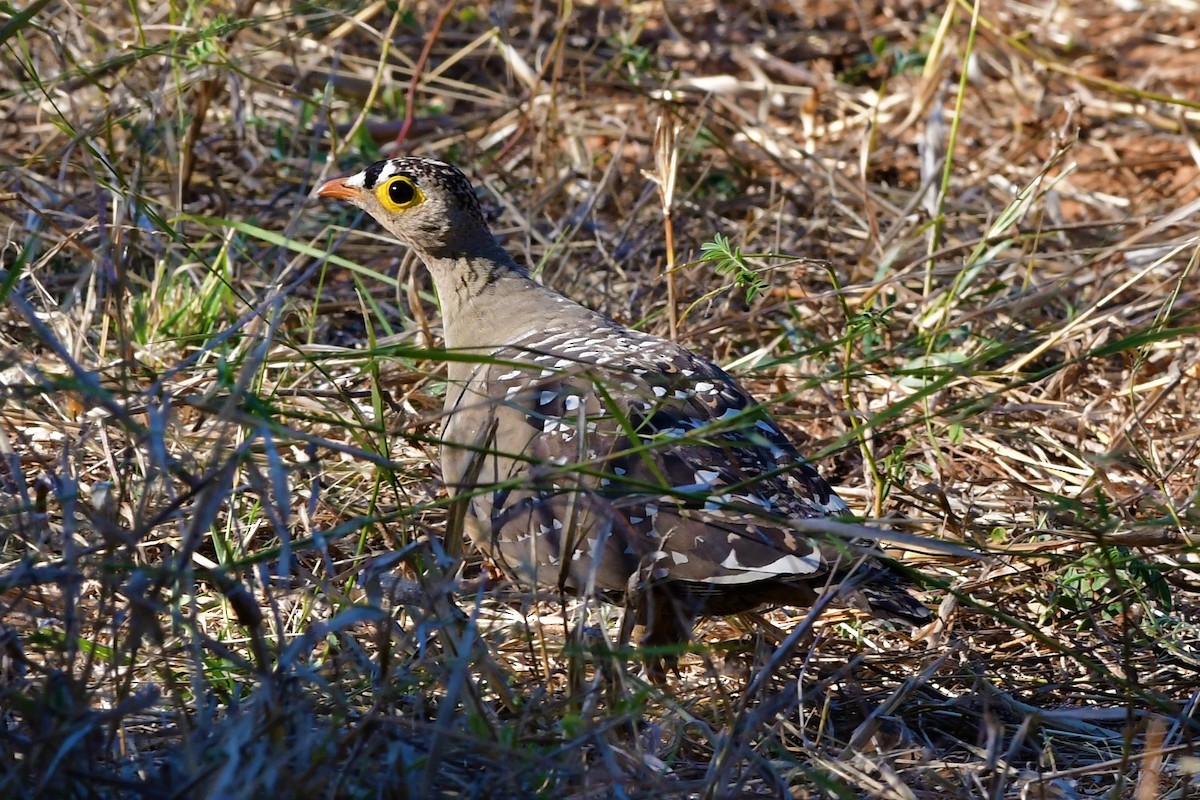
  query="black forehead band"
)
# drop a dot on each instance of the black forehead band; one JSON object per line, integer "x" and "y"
{"x": 373, "y": 174}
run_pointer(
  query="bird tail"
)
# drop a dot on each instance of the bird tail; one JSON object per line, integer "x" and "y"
{"x": 884, "y": 595}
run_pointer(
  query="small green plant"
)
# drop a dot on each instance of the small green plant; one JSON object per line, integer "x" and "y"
{"x": 635, "y": 59}
{"x": 884, "y": 55}
{"x": 729, "y": 260}
{"x": 1106, "y": 580}
{"x": 870, "y": 326}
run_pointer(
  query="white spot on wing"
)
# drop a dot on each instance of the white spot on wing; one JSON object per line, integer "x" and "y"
{"x": 717, "y": 502}
{"x": 753, "y": 499}
{"x": 780, "y": 568}
{"x": 836, "y": 505}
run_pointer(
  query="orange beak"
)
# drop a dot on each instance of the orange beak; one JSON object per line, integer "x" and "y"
{"x": 338, "y": 190}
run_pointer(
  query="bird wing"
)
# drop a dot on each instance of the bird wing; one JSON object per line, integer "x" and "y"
{"x": 612, "y": 454}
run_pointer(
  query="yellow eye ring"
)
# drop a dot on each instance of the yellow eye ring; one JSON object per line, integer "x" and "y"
{"x": 399, "y": 194}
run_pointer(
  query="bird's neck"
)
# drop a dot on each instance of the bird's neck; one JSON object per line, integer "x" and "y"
{"x": 477, "y": 287}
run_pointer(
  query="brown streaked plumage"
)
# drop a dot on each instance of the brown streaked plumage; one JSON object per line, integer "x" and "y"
{"x": 603, "y": 460}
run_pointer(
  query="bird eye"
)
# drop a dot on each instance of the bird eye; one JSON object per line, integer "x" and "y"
{"x": 399, "y": 194}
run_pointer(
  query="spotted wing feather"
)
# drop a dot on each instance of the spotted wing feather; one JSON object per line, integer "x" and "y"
{"x": 619, "y": 458}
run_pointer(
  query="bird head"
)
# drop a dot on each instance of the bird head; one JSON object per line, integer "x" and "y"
{"x": 427, "y": 204}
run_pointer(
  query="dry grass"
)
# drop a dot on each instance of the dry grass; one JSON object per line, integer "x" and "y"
{"x": 221, "y": 569}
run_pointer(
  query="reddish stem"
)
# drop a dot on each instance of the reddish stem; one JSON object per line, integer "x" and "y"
{"x": 418, "y": 69}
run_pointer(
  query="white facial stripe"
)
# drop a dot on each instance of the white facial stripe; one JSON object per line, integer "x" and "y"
{"x": 356, "y": 180}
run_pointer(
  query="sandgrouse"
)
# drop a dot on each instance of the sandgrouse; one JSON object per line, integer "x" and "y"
{"x": 603, "y": 460}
